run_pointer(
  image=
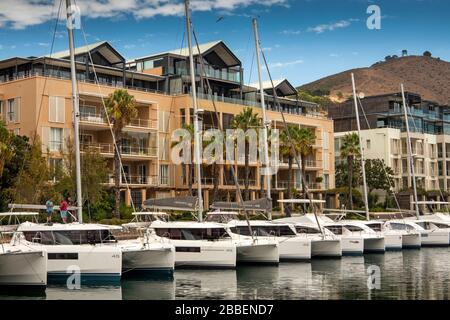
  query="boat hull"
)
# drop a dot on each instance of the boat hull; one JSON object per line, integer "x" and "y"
{"x": 23, "y": 269}
{"x": 258, "y": 253}
{"x": 374, "y": 245}
{"x": 326, "y": 248}
{"x": 294, "y": 248}
{"x": 352, "y": 246}
{"x": 204, "y": 254}
{"x": 148, "y": 259}
{"x": 393, "y": 242}
{"x": 94, "y": 264}
{"x": 435, "y": 238}
{"x": 411, "y": 241}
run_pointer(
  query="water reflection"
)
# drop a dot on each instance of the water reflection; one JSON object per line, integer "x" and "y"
{"x": 409, "y": 274}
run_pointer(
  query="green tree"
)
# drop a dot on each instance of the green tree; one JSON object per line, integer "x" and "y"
{"x": 32, "y": 182}
{"x": 246, "y": 120}
{"x": 20, "y": 147}
{"x": 94, "y": 173}
{"x": 296, "y": 142}
{"x": 350, "y": 151}
{"x": 121, "y": 108}
{"x": 189, "y": 168}
{"x": 6, "y": 152}
{"x": 378, "y": 175}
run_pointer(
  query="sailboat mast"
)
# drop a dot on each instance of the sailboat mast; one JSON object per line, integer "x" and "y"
{"x": 263, "y": 107}
{"x": 410, "y": 155}
{"x": 197, "y": 156}
{"x": 76, "y": 110}
{"x": 361, "y": 149}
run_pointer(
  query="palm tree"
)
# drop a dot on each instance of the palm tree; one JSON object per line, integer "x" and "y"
{"x": 189, "y": 166}
{"x": 288, "y": 139}
{"x": 245, "y": 120}
{"x": 121, "y": 108}
{"x": 304, "y": 141}
{"x": 350, "y": 150}
{"x": 215, "y": 171}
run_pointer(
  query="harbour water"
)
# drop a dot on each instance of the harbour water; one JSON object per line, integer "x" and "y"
{"x": 407, "y": 274}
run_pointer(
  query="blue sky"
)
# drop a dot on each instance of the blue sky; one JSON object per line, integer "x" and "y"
{"x": 304, "y": 40}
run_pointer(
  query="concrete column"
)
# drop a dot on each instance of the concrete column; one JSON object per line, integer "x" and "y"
{"x": 252, "y": 195}
{"x": 228, "y": 196}
{"x": 281, "y": 197}
{"x": 206, "y": 199}
{"x": 143, "y": 195}
{"x": 128, "y": 197}
{"x": 172, "y": 193}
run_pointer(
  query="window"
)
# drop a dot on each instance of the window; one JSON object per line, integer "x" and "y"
{"x": 55, "y": 166}
{"x": 12, "y": 115}
{"x": 192, "y": 233}
{"x": 71, "y": 237}
{"x": 2, "y": 111}
{"x": 16, "y": 131}
{"x": 326, "y": 181}
{"x": 86, "y": 139}
{"x": 56, "y": 111}
{"x": 164, "y": 174}
{"x": 307, "y": 230}
{"x": 56, "y": 139}
{"x": 354, "y": 228}
{"x": 368, "y": 144}
{"x": 163, "y": 121}
{"x": 264, "y": 231}
{"x": 337, "y": 145}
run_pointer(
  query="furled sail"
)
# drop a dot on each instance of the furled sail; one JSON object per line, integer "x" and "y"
{"x": 263, "y": 204}
{"x": 188, "y": 203}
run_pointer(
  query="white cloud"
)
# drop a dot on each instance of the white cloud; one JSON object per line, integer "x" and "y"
{"x": 24, "y": 13}
{"x": 291, "y": 32}
{"x": 285, "y": 64}
{"x": 43, "y": 44}
{"x": 334, "y": 55}
{"x": 321, "y": 28}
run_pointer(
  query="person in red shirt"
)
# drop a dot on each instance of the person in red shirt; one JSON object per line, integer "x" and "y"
{"x": 63, "y": 207}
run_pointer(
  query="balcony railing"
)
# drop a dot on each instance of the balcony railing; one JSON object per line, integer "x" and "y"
{"x": 66, "y": 76}
{"x": 101, "y": 119}
{"x": 135, "y": 180}
{"x": 284, "y": 184}
{"x": 107, "y": 148}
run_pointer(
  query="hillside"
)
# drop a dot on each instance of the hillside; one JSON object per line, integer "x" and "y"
{"x": 430, "y": 77}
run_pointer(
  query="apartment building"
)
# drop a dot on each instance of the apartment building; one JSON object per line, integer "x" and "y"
{"x": 35, "y": 95}
{"x": 384, "y": 137}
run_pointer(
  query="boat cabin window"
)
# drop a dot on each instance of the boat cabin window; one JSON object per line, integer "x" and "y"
{"x": 335, "y": 229}
{"x": 307, "y": 230}
{"x": 264, "y": 231}
{"x": 400, "y": 226}
{"x": 192, "y": 233}
{"x": 441, "y": 225}
{"x": 375, "y": 226}
{"x": 69, "y": 237}
{"x": 354, "y": 228}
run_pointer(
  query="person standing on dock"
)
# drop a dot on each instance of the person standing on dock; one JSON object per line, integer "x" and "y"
{"x": 63, "y": 207}
{"x": 49, "y": 208}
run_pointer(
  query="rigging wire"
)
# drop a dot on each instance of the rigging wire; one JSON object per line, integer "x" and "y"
{"x": 108, "y": 119}
{"x": 290, "y": 140}
{"x": 233, "y": 171}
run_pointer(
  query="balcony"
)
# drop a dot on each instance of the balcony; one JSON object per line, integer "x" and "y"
{"x": 134, "y": 180}
{"x": 100, "y": 119}
{"x": 284, "y": 184}
{"x": 126, "y": 151}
